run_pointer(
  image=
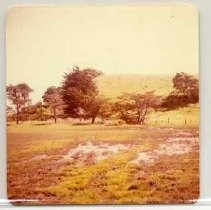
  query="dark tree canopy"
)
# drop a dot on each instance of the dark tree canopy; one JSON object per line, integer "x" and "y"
{"x": 80, "y": 93}
{"x": 187, "y": 85}
{"x": 186, "y": 91}
{"x": 19, "y": 97}
{"x": 52, "y": 99}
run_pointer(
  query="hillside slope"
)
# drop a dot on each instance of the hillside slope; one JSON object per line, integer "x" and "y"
{"x": 114, "y": 85}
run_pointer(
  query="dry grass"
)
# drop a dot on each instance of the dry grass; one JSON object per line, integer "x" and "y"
{"x": 114, "y": 85}
{"x": 170, "y": 179}
{"x": 189, "y": 114}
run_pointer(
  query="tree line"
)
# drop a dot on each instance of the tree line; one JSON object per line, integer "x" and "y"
{"x": 78, "y": 97}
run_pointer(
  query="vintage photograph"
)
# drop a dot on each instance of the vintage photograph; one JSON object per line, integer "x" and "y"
{"x": 102, "y": 105}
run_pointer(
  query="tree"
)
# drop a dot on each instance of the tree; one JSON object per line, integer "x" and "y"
{"x": 133, "y": 108}
{"x": 19, "y": 97}
{"x": 96, "y": 106}
{"x": 42, "y": 112}
{"x": 187, "y": 85}
{"x": 186, "y": 90}
{"x": 52, "y": 99}
{"x": 10, "y": 113}
{"x": 80, "y": 93}
{"x": 107, "y": 109}
{"x": 35, "y": 112}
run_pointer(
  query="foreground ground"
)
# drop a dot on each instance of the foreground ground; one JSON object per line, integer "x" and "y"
{"x": 98, "y": 164}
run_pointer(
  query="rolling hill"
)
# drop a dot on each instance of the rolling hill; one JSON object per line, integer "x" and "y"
{"x": 114, "y": 85}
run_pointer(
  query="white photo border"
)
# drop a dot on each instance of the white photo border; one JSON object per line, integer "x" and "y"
{"x": 204, "y": 9}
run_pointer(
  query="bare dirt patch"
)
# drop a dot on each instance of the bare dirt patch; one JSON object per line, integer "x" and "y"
{"x": 89, "y": 153}
{"x": 173, "y": 146}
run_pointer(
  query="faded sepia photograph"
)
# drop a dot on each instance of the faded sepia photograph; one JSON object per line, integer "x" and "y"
{"x": 102, "y": 105}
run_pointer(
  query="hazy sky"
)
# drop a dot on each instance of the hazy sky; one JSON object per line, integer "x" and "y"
{"x": 43, "y": 42}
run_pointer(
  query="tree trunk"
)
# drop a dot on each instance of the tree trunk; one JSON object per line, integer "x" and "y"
{"x": 95, "y": 115}
{"x": 17, "y": 117}
{"x": 139, "y": 116}
{"x": 93, "y": 119}
{"x": 55, "y": 116}
{"x": 144, "y": 116}
{"x": 140, "y": 113}
{"x": 141, "y": 121}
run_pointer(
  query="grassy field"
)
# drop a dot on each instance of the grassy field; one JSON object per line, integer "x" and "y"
{"x": 97, "y": 164}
